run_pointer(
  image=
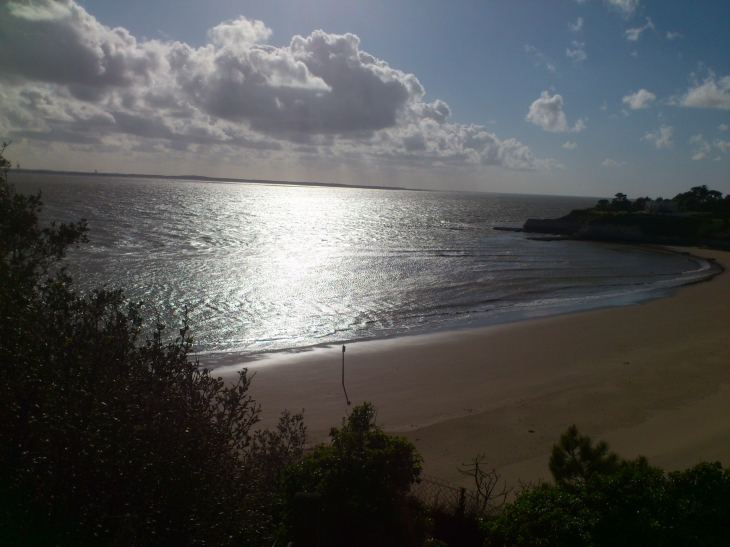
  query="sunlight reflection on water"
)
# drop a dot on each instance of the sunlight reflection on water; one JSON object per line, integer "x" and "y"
{"x": 266, "y": 267}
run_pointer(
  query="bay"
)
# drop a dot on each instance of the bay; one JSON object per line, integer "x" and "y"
{"x": 282, "y": 267}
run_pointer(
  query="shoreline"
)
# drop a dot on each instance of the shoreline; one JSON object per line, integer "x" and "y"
{"x": 216, "y": 360}
{"x": 649, "y": 378}
{"x": 201, "y": 178}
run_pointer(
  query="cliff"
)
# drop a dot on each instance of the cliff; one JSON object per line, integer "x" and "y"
{"x": 589, "y": 224}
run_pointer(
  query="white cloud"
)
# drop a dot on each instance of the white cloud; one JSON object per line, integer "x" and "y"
{"x": 661, "y": 138}
{"x": 608, "y": 162}
{"x": 319, "y": 97}
{"x": 673, "y": 35}
{"x": 547, "y": 112}
{"x": 604, "y": 106}
{"x": 712, "y": 93}
{"x": 633, "y": 34}
{"x": 577, "y": 26}
{"x": 570, "y": 145}
{"x": 724, "y": 146}
{"x": 576, "y": 53}
{"x": 239, "y": 34}
{"x": 700, "y": 147}
{"x": 723, "y": 127}
{"x": 625, "y": 7}
{"x": 640, "y": 99}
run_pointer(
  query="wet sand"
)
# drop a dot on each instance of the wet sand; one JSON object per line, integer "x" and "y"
{"x": 650, "y": 378}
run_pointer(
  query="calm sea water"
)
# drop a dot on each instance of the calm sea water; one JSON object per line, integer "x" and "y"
{"x": 266, "y": 267}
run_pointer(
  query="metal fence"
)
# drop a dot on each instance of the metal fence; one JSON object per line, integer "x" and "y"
{"x": 448, "y": 496}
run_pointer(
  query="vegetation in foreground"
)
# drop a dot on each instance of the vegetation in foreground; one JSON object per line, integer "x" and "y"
{"x": 109, "y": 437}
{"x": 112, "y": 437}
{"x": 363, "y": 479}
{"x": 601, "y": 500}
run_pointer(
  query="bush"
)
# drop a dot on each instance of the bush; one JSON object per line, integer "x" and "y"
{"x": 631, "y": 504}
{"x": 108, "y": 437}
{"x": 575, "y": 458}
{"x": 363, "y": 477}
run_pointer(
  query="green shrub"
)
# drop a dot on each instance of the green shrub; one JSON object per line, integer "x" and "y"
{"x": 363, "y": 477}
{"x": 629, "y": 504}
{"x": 575, "y": 458}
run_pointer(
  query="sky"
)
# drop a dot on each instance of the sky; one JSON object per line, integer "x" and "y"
{"x": 566, "y": 97}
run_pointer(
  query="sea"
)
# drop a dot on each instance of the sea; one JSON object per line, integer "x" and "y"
{"x": 273, "y": 267}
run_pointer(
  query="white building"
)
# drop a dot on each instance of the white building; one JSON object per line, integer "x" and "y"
{"x": 660, "y": 206}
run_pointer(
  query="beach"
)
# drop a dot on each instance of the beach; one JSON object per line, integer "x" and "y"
{"x": 650, "y": 378}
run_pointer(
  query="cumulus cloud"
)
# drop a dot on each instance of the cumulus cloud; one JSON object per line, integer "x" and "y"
{"x": 547, "y": 112}
{"x": 321, "y": 84}
{"x": 608, "y": 162}
{"x": 577, "y": 26}
{"x": 662, "y": 138}
{"x": 673, "y": 35}
{"x": 700, "y": 147}
{"x": 640, "y": 99}
{"x": 722, "y": 127}
{"x": 576, "y": 53}
{"x": 66, "y": 77}
{"x": 570, "y": 145}
{"x": 633, "y": 34}
{"x": 711, "y": 93}
{"x": 239, "y": 34}
{"x": 58, "y": 42}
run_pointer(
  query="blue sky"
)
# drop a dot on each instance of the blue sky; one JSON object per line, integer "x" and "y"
{"x": 559, "y": 97}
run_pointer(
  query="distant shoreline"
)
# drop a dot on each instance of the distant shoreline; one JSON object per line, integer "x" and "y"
{"x": 200, "y": 178}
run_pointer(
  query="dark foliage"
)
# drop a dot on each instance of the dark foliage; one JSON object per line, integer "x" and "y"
{"x": 575, "y": 458}
{"x": 639, "y": 204}
{"x": 457, "y": 530}
{"x": 631, "y": 504}
{"x": 363, "y": 477}
{"x": 689, "y": 227}
{"x": 110, "y": 439}
{"x": 698, "y": 198}
{"x": 619, "y": 203}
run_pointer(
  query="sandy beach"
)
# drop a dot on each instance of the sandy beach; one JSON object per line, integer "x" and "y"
{"x": 650, "y": 378}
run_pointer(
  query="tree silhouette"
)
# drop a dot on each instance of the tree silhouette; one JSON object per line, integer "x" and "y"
{"x": 575, "y": 458}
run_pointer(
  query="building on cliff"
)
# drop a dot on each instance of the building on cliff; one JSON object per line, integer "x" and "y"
{"x": 660, "y": 206}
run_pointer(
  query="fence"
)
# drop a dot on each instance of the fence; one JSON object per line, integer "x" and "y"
{"x": 450, "y": 497}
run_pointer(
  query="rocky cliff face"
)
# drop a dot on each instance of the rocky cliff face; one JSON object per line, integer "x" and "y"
{"x": 631, "y": 229}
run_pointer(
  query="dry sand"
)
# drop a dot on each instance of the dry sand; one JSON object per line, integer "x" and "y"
{"x": 651, "y": 379}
